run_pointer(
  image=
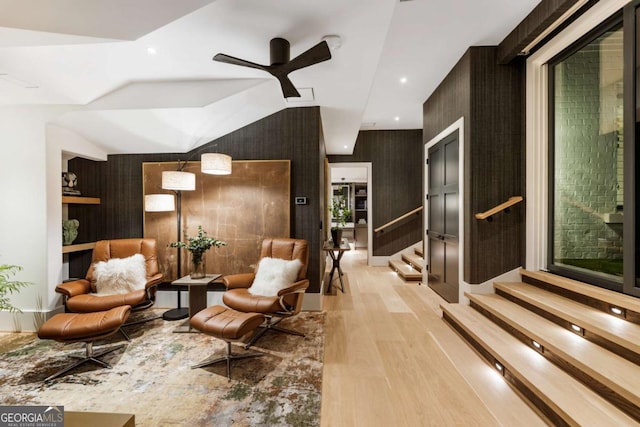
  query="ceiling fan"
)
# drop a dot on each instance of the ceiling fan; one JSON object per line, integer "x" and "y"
{"x": 281, "y": 66}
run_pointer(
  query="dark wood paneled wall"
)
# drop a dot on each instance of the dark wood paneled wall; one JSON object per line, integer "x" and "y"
{"x": 496, "y": 157}
{"x": 490, "y": 97}
{"x": 396, "y": 157}
{"x": 450, "y": 100}
{"x": 291, "y": 134}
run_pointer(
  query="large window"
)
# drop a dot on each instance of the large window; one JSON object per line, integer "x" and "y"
{"x": 587, "y": 167}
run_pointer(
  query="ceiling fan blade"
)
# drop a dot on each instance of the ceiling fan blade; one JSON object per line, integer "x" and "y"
{"x": 288, "y": 89}
{"x": 318, "y": 53}
{"x": 221, "y": 57}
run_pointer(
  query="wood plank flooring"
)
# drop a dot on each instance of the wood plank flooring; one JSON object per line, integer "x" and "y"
{"x": 390, "y": 360}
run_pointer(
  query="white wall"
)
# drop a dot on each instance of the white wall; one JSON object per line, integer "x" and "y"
{"x": 31, "y": 213}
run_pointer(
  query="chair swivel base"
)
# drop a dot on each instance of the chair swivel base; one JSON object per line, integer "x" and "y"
{"x": 176, "y": 314}
{"x": 270, "y": 326}
{"x": 89, "y": 356}
{"x": 227, "y": 357}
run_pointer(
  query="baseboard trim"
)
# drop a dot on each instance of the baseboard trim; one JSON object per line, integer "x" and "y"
{"x": 487, "y": 287}
{"x": 380, "y": 261}
{"x": 27, "y": 320}
{"x": 312, "y": 302}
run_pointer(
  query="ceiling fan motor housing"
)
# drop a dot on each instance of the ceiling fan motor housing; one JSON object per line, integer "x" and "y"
{"x": 279, "y": 51}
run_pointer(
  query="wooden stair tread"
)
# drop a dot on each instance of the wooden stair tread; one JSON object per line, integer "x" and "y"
{"x": 614, "y": 329}
{"x": 615, "y": 372}
{"x": 419, "y": 251}
{"x": 569, "y": 398}
{"x": 605, "y": 295}
{"x": 405, "y": 270}
{"x": 413, "y": 259}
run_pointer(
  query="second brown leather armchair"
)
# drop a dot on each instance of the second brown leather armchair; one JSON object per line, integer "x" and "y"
{"x": 288, "y": 301}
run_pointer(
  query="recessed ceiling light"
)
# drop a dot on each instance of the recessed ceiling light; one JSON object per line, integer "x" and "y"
{"x": 396, "y": 118}
{"x": 151, "y": 50}
{"x": 403, "y": 80}
{"x": 346, "y": 146}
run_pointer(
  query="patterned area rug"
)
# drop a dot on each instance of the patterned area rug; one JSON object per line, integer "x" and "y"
{"x": 152, "y": 378}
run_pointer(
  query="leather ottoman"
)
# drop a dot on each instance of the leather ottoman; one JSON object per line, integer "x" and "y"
{"x": 228, "y": 325}
{"x": 87, "y": 328}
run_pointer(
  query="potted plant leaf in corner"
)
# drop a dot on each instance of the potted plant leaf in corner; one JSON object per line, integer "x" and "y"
{"x": 8, "y": 287}
{"x": 340, "y": 212}
{"x": 198, "y": 246}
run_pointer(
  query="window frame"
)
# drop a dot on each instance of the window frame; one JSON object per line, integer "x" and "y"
{"x": 593, "y": 277}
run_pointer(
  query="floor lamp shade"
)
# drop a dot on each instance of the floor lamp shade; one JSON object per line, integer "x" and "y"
{"x": 215, "y": 164}
{"x": 178, "y": 180}
{"x": 159, "y": 203}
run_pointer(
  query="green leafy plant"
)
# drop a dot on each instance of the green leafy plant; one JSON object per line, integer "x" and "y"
{"x": 340, "y": 212}
{"x": 8, "y": 287}
{"x": 198, "y": 245}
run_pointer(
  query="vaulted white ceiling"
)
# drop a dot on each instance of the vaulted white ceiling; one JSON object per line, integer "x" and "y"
{"x": 94, "y": 55}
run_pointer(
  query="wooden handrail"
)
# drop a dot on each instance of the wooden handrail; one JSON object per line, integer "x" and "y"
{"x": 400, "y": 218}
{"x": 501, "y": 207}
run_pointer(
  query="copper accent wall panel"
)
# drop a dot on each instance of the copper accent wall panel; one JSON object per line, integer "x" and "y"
{"x": 241, "y": 209}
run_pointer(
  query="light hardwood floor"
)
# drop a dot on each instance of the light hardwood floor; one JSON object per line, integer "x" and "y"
{"x": 390, "y": 360}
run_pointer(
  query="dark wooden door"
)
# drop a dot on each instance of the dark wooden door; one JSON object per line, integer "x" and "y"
{"x": 443, "y": 210}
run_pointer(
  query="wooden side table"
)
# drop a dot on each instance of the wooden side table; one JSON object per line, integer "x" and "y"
{"x": 336, "y": 252}
{"x": 197, "y": 296}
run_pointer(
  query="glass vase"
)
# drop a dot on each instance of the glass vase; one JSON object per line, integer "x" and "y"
{"x": 198, "y": 270}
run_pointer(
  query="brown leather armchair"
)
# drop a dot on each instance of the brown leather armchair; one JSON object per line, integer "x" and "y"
{"x": 288, "y": 301}
{"x": 79, "y": 295}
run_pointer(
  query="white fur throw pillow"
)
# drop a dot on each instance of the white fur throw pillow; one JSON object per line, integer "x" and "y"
{"x": 120, "y": 275}
{"x": 273, "y": 275}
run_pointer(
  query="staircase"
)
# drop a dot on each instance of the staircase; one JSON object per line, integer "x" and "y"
{"x": 571, "y": 350}
{"x": 409, "y": 266}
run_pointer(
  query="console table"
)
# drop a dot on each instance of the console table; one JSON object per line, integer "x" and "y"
{"x": 336, "y": 252}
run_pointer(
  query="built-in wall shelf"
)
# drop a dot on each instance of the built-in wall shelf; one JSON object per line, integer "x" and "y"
{"x": 78, "y": 247}
{"x": 79, "y": 200}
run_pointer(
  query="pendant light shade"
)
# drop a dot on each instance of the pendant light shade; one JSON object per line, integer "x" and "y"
{"x": 178, "y": 180}
{"x": 159, "y": 203}
{"x": 216, "y": 164}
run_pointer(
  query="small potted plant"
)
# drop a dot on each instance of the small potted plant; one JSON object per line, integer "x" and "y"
{"x": 198, "y": 246}
{"x": 340, "y": 212}
{"x": 9, "y": 287}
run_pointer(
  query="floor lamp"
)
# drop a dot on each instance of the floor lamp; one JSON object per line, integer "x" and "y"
{"x": 178, "y": 181}
{"x": 161, "y": 203}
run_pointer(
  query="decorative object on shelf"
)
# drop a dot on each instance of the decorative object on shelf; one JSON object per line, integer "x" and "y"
{"x": 69, "y": 183}
{"x": 69, "y": 230}
{"x": 215, "y": 164}
{"x": 9, "y": 287}
{"x": 198, "y": 246}
{"x": 339, "y": 213}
